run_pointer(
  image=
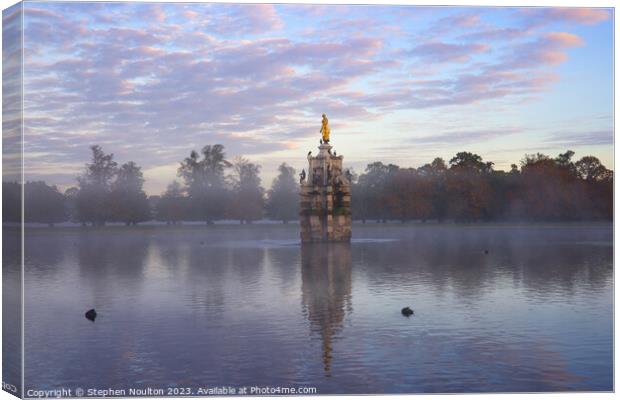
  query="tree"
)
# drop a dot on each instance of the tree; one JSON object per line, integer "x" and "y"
{"x": 514, "y": 169}
{"x": 435, "y": 169}
{"x": 372, "y": 184}
{"x": 43, "y": 203}
{"x": 408, "y": 195}
{"x": 205, "y": 182}
{"x": 93, "y": 198}
{"x": 360, "y": 201}
{"x": 598, "y": 182}
{"x": 549, "y": 188}
{"x": 71, "y": 196}
{"x": 283, "y": 197}
{"x": 11, "y": 202}
{"x": 468, "y": 187}
{"x": 129, "y": 202}
{"x": 590, "y": 169}
{"x": 470, "y": 162}
{"x": 172, "y": 206}
{"x": 564, "y": 161}
{"x": 435, "y": 173}
{"x": 505, "y": 202}
{"x": 248, "y": 195}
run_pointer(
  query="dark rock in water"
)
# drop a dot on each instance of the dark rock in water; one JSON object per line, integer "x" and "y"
{"x": 486, "y": 252}
{"x": 91, "y": 315}
{"x": 407, "y": 311}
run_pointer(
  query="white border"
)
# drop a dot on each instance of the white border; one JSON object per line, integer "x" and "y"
{"x": 484, "y": 3}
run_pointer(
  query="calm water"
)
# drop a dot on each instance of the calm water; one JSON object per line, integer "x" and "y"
{"x": 198, "y": 307}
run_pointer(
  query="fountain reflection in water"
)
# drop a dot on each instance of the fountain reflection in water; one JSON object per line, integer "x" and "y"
{"x": 326, "y": 292}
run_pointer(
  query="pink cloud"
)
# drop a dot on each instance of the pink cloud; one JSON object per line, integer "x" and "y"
{"x": 461, "y": 21}
{"x": 438, "y": 52}
{"x": 586, "y": 16}
{"x": 494, "y": 34}
{"x": 155, "y": 12}
{"x": 246, "y": 18}
{"x": 190, "y": 14}
{"x": 41, "y": 13}
{"x": 265, "y": 14}
{"x": 447, "y": 24}
{"x": 548, "y": 49}
{"x": 563, "y": 39}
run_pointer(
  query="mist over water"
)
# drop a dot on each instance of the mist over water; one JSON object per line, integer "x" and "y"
{"x": 250, "y": 306}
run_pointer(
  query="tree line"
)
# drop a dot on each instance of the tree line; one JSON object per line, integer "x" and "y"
{"x": 469, "y": 189}
{"x": 212, "y": 188}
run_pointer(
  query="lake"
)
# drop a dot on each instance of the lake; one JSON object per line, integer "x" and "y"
{"x": 202, "y": 306}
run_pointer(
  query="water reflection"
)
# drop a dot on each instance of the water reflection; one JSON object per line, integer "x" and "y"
{"x": 326, "y": 291}
{"x": 11, "y": 307}
{"x": 195, "y": 306}
{"x": 102, "y": 255}
{"x": 543, "y": 261}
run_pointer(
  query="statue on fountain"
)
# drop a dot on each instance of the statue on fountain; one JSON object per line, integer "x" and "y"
{"x": 325, "y": 129}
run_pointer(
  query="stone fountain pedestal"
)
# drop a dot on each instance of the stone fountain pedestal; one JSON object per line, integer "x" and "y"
{"x": 325, "y": 199}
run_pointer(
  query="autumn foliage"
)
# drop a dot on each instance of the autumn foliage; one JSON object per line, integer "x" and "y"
{"x": 469, "y": 189}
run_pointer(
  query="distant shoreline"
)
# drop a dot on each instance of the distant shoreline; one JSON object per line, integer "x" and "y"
{"x": 295, "y": 224}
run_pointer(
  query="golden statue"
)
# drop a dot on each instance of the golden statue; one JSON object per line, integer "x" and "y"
{"x": 325, "y": 129}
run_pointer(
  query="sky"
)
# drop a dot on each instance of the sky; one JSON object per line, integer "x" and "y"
{"x": 150, "y": 82}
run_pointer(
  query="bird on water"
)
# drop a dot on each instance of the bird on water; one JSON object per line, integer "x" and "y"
{"x": 407, "y": 311}
{"x": 91, "y": 314}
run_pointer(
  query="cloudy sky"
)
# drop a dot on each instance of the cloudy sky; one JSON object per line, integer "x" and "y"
{"x": 151, "y": 82}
